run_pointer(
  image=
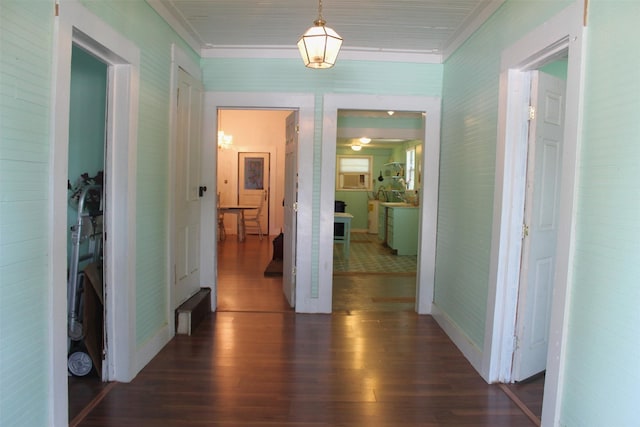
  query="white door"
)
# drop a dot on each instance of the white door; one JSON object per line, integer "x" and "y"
{"x": 187, "y": 186}
{"x": 253, "y": 185}
{"x": 290, "y": 209}
{"x": 540, "y": 225}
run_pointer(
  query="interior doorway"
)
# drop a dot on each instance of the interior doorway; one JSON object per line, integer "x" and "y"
{"x": 377, "y": 186}
{"x": 429, "y": 110}
{"x": 251, "y": 169}
{"x": 542, "y": 186}
{"x": 560, "y": 37}
{"x": 78, "y": 28}
{"x": 85, "y": 224}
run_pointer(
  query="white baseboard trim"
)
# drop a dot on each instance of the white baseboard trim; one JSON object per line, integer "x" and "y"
{"x": 151, "y": 348}
{"x": 470, "y": 351}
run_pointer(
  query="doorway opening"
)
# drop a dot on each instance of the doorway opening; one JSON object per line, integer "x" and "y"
{"x": 559, "y": 38}
{"x": 85, "y": 224}
{"x": 82, "y": 33}
{"x": 250, "y": 195}
{"x": 429, "y": 109}
{"x": 541, "y": 190}
{"x": 377, "y": 194}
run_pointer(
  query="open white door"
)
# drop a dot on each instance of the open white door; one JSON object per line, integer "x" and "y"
{"x": 187, "y": 188}
{"x": 540, "y": 225}
{"x": 290, "y": 208}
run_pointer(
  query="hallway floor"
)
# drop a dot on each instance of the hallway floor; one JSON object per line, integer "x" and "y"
{"x": 374, "y": 362}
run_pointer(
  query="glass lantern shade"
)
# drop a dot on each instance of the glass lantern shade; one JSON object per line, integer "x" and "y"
{"x": 319, "y": 46}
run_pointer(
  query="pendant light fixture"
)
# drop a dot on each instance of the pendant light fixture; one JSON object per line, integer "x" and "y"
{"x": 320, "y": 45}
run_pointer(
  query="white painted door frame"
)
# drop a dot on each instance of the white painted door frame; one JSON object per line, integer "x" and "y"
{"x": 562, "y": 33}
{"x": 429, "y": 197}
{"x": 76, "y": 25}
{"x": 305, "y": 104}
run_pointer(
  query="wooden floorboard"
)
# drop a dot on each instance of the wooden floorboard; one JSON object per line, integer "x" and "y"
{"x": 257, "y": 363}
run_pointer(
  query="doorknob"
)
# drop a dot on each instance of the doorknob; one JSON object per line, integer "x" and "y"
{"x": 201, "y": 190}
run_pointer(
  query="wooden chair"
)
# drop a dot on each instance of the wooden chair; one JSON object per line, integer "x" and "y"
{"x": 253, "y": 217}
{"x": 222, "y": 234}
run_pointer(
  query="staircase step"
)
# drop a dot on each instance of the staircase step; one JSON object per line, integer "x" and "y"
{"x": 191, "y": 312}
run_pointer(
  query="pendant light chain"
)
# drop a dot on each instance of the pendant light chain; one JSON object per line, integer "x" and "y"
{"x": 320, "y": 20}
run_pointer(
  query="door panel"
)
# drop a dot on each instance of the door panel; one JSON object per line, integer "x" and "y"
{"x": 253, "y": 184}
{"x": 290, "y": 208}
{"x": 187, "y": 182}
{"x": 540, "y": 217}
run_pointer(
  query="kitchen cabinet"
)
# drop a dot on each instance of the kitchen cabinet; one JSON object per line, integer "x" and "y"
{"x": 382, "y": 223}
{"x": 399, "y": 229}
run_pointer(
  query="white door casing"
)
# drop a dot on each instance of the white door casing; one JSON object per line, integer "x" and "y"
{"x": 186, "y": 275}
{"x": 76, "y": 25}
{"x": 537, "y": 268}
{"x": 428, "y": 198}
{"x": 290, "y": 208}
{"x": 251, "y": 190}
{"x": 561, "y": 35}
{"x": 304, "y": 103}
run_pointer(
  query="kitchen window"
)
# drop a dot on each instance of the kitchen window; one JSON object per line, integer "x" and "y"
{"x": 354, "y": 173}
{"x": 410, "y": 171}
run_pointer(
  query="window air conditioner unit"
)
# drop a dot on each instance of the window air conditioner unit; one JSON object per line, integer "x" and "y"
{"x": 353, "y": 180}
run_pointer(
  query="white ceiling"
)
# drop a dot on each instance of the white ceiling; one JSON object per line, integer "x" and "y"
{"x": 433, "y": 27}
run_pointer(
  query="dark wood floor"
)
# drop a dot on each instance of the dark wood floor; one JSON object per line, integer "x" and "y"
{"x": 256, "y": 363}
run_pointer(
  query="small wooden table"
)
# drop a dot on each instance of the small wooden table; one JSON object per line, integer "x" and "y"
{"x": 345, "y": 239}
{"x": 239, "y": 211}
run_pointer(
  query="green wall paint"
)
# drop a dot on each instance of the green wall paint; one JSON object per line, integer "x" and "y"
{"x": 26, "y": 36}
{"x": 602, "y": 367}
{"x": 287, "y": 75}
{"x": 87, "y": 112}
{"x": 379, "y": 122}
{"x": 556, "y": 68}
{"x": 467, "y": 163}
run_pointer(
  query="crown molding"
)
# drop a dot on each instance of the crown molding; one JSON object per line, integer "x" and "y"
{"x": 177, "y": 22}
{"x": 482, "y": 13}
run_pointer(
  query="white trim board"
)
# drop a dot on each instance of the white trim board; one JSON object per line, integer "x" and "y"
{"x": 305, "y": 104}
{"x": 429, "y": 198}
{"x": 470, "y": 351}
{"x": 76, "y": 25}
{"x": 562, "y": 32}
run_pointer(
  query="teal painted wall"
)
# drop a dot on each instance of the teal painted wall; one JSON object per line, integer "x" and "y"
{"x": 603, "y": 359}
{"x": 136, "y": 21}
{"x": 467, "y": 163}
{"x": 356, "y": 77}
{"x": 87, "y": 112}
{"x": 26, "y": 35}
{"x": 556, "y": 68}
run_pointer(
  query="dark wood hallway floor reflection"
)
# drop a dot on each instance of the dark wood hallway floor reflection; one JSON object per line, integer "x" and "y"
{"x": 256, "y": 363}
